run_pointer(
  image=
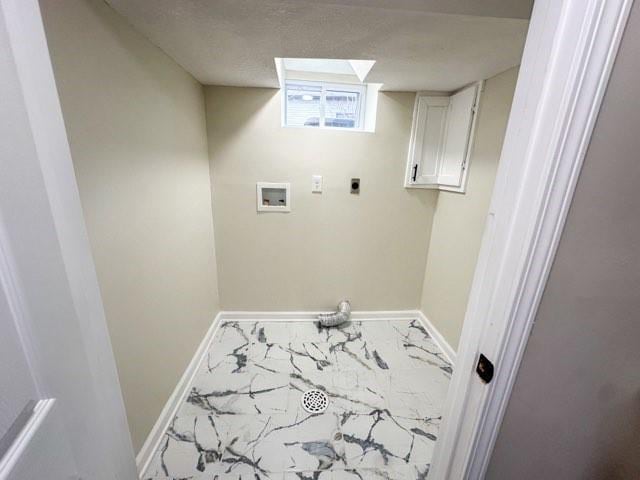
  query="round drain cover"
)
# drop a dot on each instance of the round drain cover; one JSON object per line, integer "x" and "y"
{"x": 315, "y": 401}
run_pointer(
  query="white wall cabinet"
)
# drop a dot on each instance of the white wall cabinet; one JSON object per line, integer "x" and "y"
{"x": 441, "y": 139}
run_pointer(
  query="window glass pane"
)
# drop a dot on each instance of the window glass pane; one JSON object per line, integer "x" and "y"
{"x": 303, "y": 105}
{"x": 342, "y": 109}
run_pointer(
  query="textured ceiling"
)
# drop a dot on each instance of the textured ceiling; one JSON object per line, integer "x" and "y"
{"x": 417, "y": 44}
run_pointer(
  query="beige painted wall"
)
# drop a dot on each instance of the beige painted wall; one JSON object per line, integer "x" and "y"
{"x": 136, "y": 125}
{"x": 574, "y": 413}
{"x": 370, "y": 248}
{"x": 459, "y": 220}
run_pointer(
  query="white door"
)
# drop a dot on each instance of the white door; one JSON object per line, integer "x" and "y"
{"x": 33, "y": 444}
{"x": 61, "y": 410}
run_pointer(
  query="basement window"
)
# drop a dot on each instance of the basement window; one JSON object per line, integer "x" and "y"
{"x": 327, "y": 93}
{"x": 324, "y": 105}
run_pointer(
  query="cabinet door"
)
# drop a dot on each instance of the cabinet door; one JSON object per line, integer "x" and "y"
{"x": 457, "y": 137}
{"x": 430, "y": 116}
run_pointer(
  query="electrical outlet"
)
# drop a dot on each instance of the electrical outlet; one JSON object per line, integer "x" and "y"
{"x": 355, "y": 186}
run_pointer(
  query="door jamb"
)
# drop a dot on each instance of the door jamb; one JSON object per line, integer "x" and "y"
{"x": 568, "y": 57}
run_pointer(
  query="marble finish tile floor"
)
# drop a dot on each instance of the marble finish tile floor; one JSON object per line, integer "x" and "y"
{"x": 386, "y": 382}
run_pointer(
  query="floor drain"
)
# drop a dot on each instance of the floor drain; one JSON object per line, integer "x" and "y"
{"x": 315, "y": 401}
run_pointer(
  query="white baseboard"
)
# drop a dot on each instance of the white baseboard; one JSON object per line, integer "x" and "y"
{"x": 449, "y": 352}
{"x": 179, "y": 394}
{"x": 310, "y": 316}
{"x": 181, "y": 391}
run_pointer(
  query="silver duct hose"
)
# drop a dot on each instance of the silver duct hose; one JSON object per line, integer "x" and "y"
{"x": 337, "y": 318}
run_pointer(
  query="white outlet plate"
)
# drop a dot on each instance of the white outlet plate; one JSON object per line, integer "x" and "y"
{"x": 316, "y": 184}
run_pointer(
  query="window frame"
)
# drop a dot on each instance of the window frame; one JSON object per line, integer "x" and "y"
{"x": 361, "y": 89}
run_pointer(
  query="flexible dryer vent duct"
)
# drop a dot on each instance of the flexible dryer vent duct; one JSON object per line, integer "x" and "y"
{"x": 337, "y": 318}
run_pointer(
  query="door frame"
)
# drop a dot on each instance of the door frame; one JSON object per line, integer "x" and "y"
{"x": 568, "y": 57}
{"x": 47, "y": 268}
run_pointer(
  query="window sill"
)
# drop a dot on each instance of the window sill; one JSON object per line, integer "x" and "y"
{"x": 335, "y": 129}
